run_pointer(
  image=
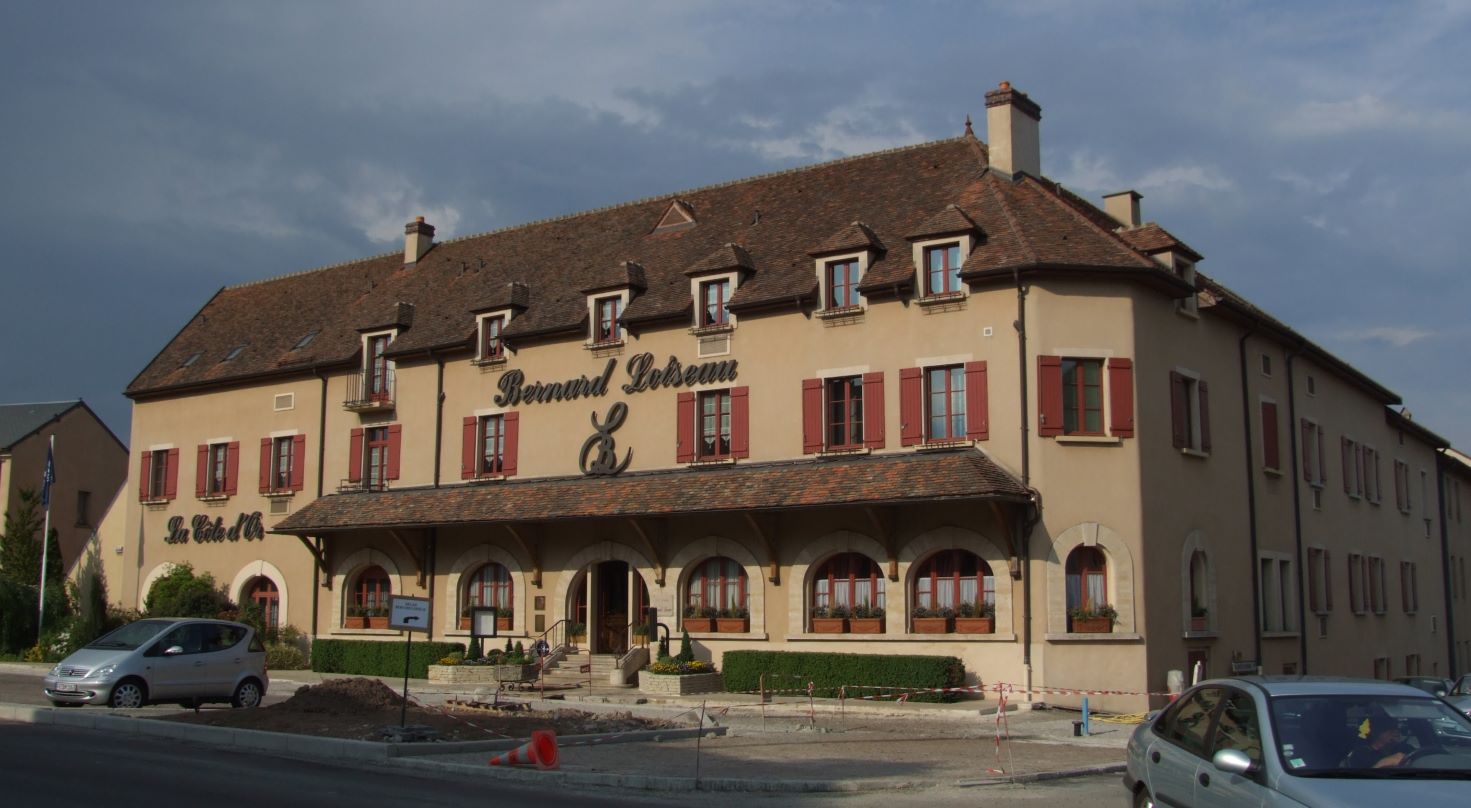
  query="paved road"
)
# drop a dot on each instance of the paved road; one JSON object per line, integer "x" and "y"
{"x": 48, "y": 765}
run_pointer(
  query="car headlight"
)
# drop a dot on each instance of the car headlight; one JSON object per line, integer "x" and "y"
{"x": 55, "y": 671}
{"x": 105, "y": 670}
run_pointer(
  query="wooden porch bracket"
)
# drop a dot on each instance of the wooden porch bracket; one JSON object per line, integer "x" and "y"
{"x": 528, "y": 545}
{"x": 882, "y": 520}
{"x": 659, "y": 528}
{"x": 408, "y": 548}
{"x": 320, "y": 558}
{"x": 764, "y": 532}
{"x": 1006, "y": 520}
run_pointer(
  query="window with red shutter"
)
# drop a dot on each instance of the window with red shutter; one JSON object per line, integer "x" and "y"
{"x": 812, "y": 416}
{"x": 873, "y": 410}
{"x": 267, "y": 453}
{"x": 1121, "y": 397}
{"x": 298, "y": 462}
{"x": 395, "y": 449}
{"x": 469, "y": 429}
{"x": 171, "y": 474}
{"x": 911, "y": 406}
{"x": 684, "y": 438}
{"x": 355, "y": 457}
{"x": 232, "y": 469}
{"x": 513, "y": 441}
{"x": 977, "y": 418}
{"x": 1189, "y": 413}
{"x": 1271, "y": 449}
{"x": 1049, "y": 396}
{"x": 146, "y": 483}
{"x": 740, "y": 422}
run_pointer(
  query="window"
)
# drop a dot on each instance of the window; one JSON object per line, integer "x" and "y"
{"x": 380, "y": 379}
{"x": 234, "y": 353}
{"x": 84, "y": 504}
{"x": 282, "y": 460}
{"x": 1372, "y": 489}
{"x": 1070, "y": 397}
{"x": 1190, "y": 412}
{"x": 843, "y": 413}
{"x": 945, "y": 403}
{"x": 488, "y": 447}
{"x": 1267, "y": 366}
{"x": 1271, "y": 436}
{"x": 490, "y": 586}
{"x": 263, "y": 593}
{"x": 159, "y": 475}
{"x": 371, "y": 591}
{"x": 1087, "y": 580}
{"x": 1358, "y": 583}
{"x": 844, "y": 421}
{"x": 490, "y": 459}
{"x": 1312, "y": 386}
{"x": 1409, "y": 581}
{"x": 304, "y": 341}
{"x": 373, "y": 456}
{"x": 375, "y": 462}
{"x": 1237, "y": 727}
{"x": 712, "y": 425}
{"x": 1199, "y": 588}
{"x": 1402, "y": 485}
{"x": 1314, "y": 465}
{"x": 492, "y": 346}
{"x": 191, "y": 359}
{"x": 1320, "y": 580}
{"x": 842, "y": 284}
{"x": 608, "y": 325}
{"x": 717, "y": 583}
{"x": 849, "y": 580}
{"x": 1377, "y": 599}
{"x": 942, "y": 269}
{"x": 1353, "y": 467}
{"x": 217, "y": 471}
{"x": 952, "y": 577}
{"x": 1277, "y": 592}
{"x": 714, "y": 295}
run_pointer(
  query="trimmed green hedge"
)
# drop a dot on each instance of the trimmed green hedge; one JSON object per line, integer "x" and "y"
{"x": 370, "y": 658}
{"x": 827, "y": 671}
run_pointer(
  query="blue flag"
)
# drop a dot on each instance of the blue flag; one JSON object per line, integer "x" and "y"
{"x": 47, "y": 480}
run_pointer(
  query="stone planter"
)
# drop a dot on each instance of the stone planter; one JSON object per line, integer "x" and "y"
{"x": 699, "y": 625}
{"x": 354, "y": 622}
{"x": 733, "y": 625}
{"x": 865, "y": 625}
{"x": 975, "y": 625}
{"x": 663, "y": 684}
{"x": 513, "y": 673}
{"x": 830, "y": 625}
{"x": 1092, "y": 625}
{"x": 462, "y": 674}
{"x": 931, "y": 625}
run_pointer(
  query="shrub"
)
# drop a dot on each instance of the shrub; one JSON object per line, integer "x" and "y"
{"x": 675, "y": 668}
{"x": 686, "y": 651}
{"x": 829, "y": 671}
{"x": 284, "y": 657}
{"x": 369, "y": 658}
{"x": 181, "y": 593}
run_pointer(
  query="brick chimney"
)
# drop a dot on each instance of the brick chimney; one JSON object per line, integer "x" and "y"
{"x": 1124, "y": 208}
{"x": 1012, "y": 121}
{"x": 418, "y": 238}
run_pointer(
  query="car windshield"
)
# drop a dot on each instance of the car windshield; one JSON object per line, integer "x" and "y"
{"x": 130, "y": 636}
{"x": 1362, "y": 736}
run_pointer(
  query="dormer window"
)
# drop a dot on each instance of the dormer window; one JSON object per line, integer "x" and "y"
{"x": 1189, "y": 306}
{"x": 234, "y": 353}
{"x": 304, "y": 341}
{"x": 842, "y": 284}
{"x": 492, "y": 341}
{"x": 714, "y": 295}
{"x": 607, "y": 319}
{"x": 942, "y": 269}
{"x": 372, "y": 387}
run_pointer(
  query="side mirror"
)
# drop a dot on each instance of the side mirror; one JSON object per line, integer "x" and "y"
{"x": 1233, "y": 761}
{"x": 1440, "y": 694}
{"x": 173, "y": 650}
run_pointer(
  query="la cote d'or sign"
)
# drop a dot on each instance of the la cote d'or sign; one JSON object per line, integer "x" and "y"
{"x": 642, "y": 375}
{"x": 247, "y": 526}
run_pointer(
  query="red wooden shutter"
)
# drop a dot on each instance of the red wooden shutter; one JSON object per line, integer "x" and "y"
{"x": 1203, "y": 390}
{"x": 1271, "y": 451}
{"x": 201, "y": 471}
{"x": 468, "y": 437}
{"x": 1178, "y": 403}
{"x": 740, "y": 422}
{"x": 355, "y": 455}
{"x": 511, "y": 423}
{"x": 395, "y": 447}
{"x": 144, "y": 476}
{"x": 1121, "y": 397}
{"x": 1322, "y": 456}
{"x": 171, "y": 475}
{"x": 265, "y": 465}
{"x": 1347, "y": 464}
{"x": 232, "y": 468}
{"x": 911, "y": 406}
{"x": 812, "y": 416}
{"x": 1307, "y": 457}
{"x": 298, "y": 462}
{"x": 684, "y": 438}
{"x": 1049, "y": 396}
{"x": 873, "y": 410}
{"x": 977, "y": 419}
{"x": 1328, "y": 580}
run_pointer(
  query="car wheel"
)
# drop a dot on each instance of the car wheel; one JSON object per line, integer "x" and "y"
{"x": 1143, "y": 799}
{"x": 129, "y": 693}
{"x": 247, "y": 694}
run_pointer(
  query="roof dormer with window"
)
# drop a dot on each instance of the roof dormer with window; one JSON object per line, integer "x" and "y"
{"x": 940, "y": 246}
{"x": 491, "y": 318}
{"x": 713, "y": 280}
{"x": 607, "y": 300}
{"x": 371, "y": 388}
{"x": 841, "y": 262}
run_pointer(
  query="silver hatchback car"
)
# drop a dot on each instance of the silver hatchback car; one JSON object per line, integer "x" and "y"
{"x": 1302, "y": 740}
{"x": 164, "y": 660}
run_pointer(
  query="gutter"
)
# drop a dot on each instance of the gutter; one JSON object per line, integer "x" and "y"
{"x": 1256, "y": 583}
{"x": 1024, "y": 531}
{"x": 1447, "y": 574}
{"x": 321, "y": 481}
{"x": 1292, "y": 430}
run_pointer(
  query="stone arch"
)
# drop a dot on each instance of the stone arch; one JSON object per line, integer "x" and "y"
{"x": 819, "y": 549}
{"x": 468, "y": 562}
{"x": 260, "y": 569}
{"x": 659, "y": 597}
{"x": 349, "y": 567}
{"x": 683, "y": 566}
{"x": 151, "y": 578}
{"x": 1195, "y": 541}
{"x": 1120, "y": 574}
{"x": 949, "y": 537}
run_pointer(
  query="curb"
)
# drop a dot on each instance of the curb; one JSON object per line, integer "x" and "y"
{"x": 1037, "y": 777}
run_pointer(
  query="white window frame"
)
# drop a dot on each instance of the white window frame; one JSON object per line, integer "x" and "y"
{"x": 967, "y": 242}
{"x": 697, "y": 284}
{"x": 1278, "y": 592}
{"x": 864, "y": 258}
{"x": 481, "y": 321}
{"x": 1373, "y": 481}
{"x": 623, "y": 296}
{"x": 1318, "y": 457}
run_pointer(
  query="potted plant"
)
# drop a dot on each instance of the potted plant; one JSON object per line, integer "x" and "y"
{"x": 355, "y": 618}
{"x": 830, "y": 620}
{"x": 699, "y": 619}
{"x": 503, "y": 618}
{"x": 641, "y": 635}
{"x": 867, "y": 619}
{"x": 733, "y": 620}
{"x": 1093, "y": 620}
{"x": 377, "y": 616}
{"x": 933, "y": 621}
{"x": 465, "y": 616}
{"x": 576, "y": 633}
{"x": 976, "y": 618}
{"x": 1198, "y": 618}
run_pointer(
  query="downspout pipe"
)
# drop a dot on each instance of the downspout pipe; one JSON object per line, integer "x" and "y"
{"x": 1447, "y": 575}
{"x": 1034, "y": 515}
{"x": 438, "y": 415}
{"x": 1256, "y": 583}
{"x": 321, "y": 482}
{"x": 1292, "y": 431}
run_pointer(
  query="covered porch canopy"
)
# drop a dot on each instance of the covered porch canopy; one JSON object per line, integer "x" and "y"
{"x": 879, "y": 484}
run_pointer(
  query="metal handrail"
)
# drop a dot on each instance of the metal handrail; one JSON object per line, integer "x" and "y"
{"x": 360, "y": 392}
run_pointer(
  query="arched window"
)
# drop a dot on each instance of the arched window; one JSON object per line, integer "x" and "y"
{"x": 372, "y": 590}
{"x": 717, "y": 583}
{"x": 263, "y": 593}
{"x": 490, "y": 586}
{"x": 1087, "y": 579}
{"x": 952, "y": 577}
{"x": 1199, "y": 596}
{"x": 849, "y": 581}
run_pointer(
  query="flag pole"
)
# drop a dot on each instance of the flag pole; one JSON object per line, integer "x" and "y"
{"x": 45, "y": 535}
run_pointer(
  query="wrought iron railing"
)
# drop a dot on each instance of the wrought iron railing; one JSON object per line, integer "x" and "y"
{"x": 367, "y": 389}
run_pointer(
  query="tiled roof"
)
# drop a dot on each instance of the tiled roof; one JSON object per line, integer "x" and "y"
{"x": 1151, "y": 238}
{"x": 777, "y": 219}
{"x": 19, "y": 421}
{"x": 855, "y": 236}
{"x": 880, "y": 479}
{"x": 726, "y": 257}
{"x": 950, "y": 221}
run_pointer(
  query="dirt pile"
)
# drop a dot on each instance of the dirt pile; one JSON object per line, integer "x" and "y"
{"x": 342, "y": 696}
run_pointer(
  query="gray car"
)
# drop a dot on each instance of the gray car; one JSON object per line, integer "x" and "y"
{"x": 1459, "y": 696}
{"x": 1301, "y": 740}
{"x": 187, "y": 661}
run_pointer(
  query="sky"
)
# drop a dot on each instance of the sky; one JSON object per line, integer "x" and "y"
{"x": 153, "y": 152}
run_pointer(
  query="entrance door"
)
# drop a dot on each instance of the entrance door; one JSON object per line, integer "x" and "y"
{"x": 612, "y": 597}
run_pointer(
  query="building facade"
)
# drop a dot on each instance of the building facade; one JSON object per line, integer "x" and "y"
{"x": 833, "y": 403}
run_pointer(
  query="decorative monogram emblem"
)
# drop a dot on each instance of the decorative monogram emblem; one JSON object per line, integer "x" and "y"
{"x": 606, "y": 463}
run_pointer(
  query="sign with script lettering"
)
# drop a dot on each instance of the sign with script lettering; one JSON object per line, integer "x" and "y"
{"x": 247, "y": 526}
{"x": 642, "y": 375}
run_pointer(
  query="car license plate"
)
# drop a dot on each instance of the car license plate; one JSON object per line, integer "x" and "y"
{"x": 66, "y": 687}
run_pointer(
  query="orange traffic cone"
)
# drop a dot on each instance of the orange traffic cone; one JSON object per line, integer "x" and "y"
{"x": 541, "y": 750}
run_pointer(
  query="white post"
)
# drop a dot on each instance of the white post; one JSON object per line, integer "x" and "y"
{"x": 45, "y": 541}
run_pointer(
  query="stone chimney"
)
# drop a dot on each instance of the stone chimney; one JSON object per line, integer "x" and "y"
{"x": 418, "y": 238}
{"x": 1124, "y": 208}
{"x": 1012, "y": 125}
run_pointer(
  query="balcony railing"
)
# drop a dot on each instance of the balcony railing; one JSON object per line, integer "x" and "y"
{"x": 369, "y": 390}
